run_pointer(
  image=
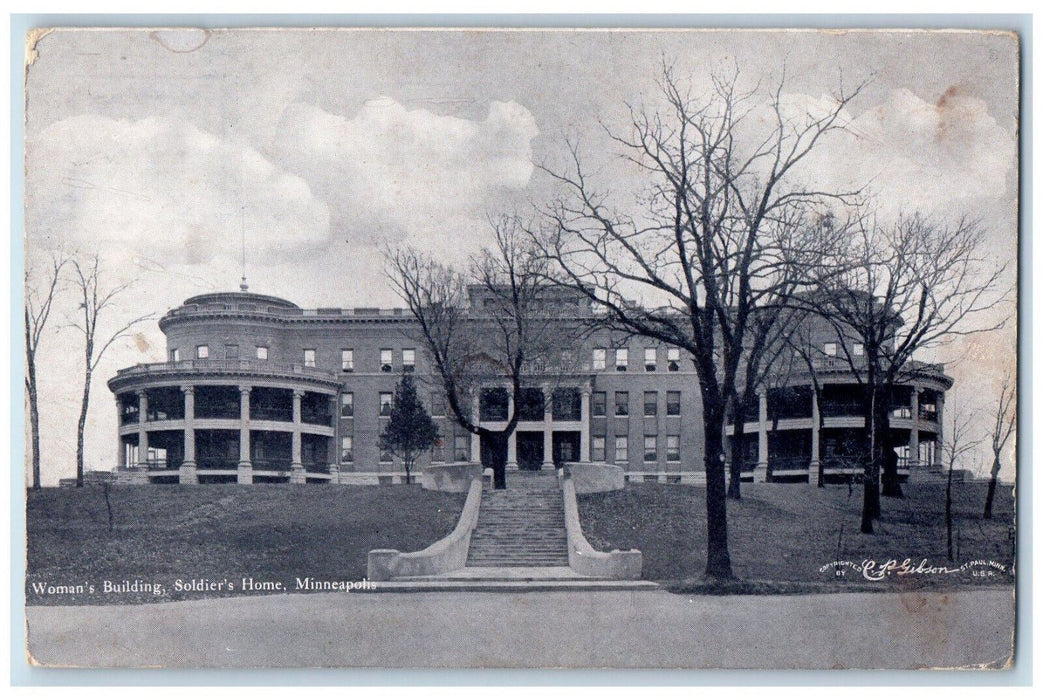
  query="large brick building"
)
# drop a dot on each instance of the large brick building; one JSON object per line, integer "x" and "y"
{"x": 256, "y": 389}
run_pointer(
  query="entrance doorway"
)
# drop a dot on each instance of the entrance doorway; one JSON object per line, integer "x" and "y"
{"x": 530, "y": 449}
{"x": 566, "y": 446}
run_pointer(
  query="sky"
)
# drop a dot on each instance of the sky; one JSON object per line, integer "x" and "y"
{"x": 163, "y": 151}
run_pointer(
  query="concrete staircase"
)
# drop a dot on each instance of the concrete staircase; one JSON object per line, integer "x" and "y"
{"x": 522, "y": 526}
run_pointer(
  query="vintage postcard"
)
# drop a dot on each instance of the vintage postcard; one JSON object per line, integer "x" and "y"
{"x": 545, "y": 348}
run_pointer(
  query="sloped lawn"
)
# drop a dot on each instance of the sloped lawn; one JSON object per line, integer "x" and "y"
{"x": 218, "y": 532}
{"x": 788, "y": 532}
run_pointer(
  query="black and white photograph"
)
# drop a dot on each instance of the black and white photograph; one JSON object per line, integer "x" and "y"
{"x": 521, "y": 348}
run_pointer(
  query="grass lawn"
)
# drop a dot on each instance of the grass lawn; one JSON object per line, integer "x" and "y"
{"x": 786, "y": 533}
{"x": 270, "y": 532}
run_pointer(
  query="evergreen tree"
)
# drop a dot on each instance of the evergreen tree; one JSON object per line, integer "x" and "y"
{"x": 410, "y": 432}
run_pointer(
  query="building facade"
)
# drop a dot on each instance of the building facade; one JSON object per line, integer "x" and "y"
{"x": 257, "y": 389}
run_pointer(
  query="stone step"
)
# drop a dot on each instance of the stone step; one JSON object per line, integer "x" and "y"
{"x": 494, "y": 564}
{"x": 504, "y": 551}
{"x": 518, "y": 543}
{"x": 522, "y": 526}
{"x": 498, "y": 539}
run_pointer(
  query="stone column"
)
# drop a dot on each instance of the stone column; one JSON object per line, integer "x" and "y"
{"x": 188, "y": 474}
{"x": 914, "y": 432}
{"x": 476, "y": 441}
{"x": 246, "y": 469}
{"x": 760, "y": 474}
{"x": 548, "y": 428}
{"x": 584, "y": 426}
{"x": 816, "y": 439}
{"x": 142, "y": 429}
{"x": 121, "y": 448}
{"x": 939, "y": 404}
{"x": 512, "y": 441}
{"x": 333, "y": 451}
{"x": 296, "y": 464}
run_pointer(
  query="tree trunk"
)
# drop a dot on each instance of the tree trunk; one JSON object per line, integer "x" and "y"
{"x": 738, "y": 454}
{"x": 81, "y": 425}
{"x": 889, "y": 461}
{"x": 718, "y": 561}
{"x": 991, "y": 493}
{"x": 871, "y": 475}
{"x": 34, "y": 423}
{"x": 948, "y": 514}
{"x": 34, "y": 407}
{"x": 497, "y": 455}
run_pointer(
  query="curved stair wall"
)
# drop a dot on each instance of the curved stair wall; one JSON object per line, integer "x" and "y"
{"x": 456, "y": 477}
{"x": 445, "y": 555}
{"x": 584, "y": 559}
{"x": 595, "y": 477}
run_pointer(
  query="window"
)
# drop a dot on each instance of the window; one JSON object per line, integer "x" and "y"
{"x": 650, "y": 359}
{"x": 231, "y": 352}
{"x": 650, "y": 451}
{"x": 599, "y": 358}
{"x": 651, "y": 403}
{"x": 386, "y": 398}
{"x": 830, "y": 349}
{"x": 673, "y": 403}
{"x": 597, "y": 403}
{"x": 408, "y": 360}
{"x": 347, "y": 405}
{"x": 673, "y": 448}
{"x": 202, "y": 352}
{"x": 386, "y": 456}
{"x": 673, "y": 359}
{"x": 566, "y": 405}
{"x": 493, "y": 404}
{"x": 437, "y": 404}
{"x": 309, "y": 357}
{"x": 622, "y": 403}
{"x": 858, "y": 350}
{"x": 262, "y": 352}
{"x": 346, "y": 454}
{"x": 597, "y": 448}
{"x": 438, "y": 451}
{"x": 347, "y": 360}
{"x": 461, "y": 448}
{"x": 175, "y": 355}
{"x": 385, "y": 360}
{"x": 621, "y": 450}
{"x": 622, "y": 357}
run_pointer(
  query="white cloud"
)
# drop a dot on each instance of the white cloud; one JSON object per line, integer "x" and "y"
{"x": 163, "y": 191}
{"x": 391, "y": 173}
{"x": 915, "y": 154}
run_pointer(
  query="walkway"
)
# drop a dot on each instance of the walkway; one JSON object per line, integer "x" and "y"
{"x": 631, "y": 629}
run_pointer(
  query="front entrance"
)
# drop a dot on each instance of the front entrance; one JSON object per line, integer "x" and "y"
{"x": 530, "y": 449}
{"x": 566, "y": 446}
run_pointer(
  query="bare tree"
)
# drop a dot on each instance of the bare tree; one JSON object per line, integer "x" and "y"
{"x": 1003, "y": 427}
{"x": 892, "y": 290}
{"x": 767, "y": 358}
{"x": 956, "y": 445}
{"x": 39, "y": 297}
{"x": 508, "y": 332}
{"x": 96, "y": 300}
{"x": 719, "y": 232}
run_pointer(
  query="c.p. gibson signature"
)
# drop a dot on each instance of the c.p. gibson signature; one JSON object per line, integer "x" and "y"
{"x": 873, "y": 570}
